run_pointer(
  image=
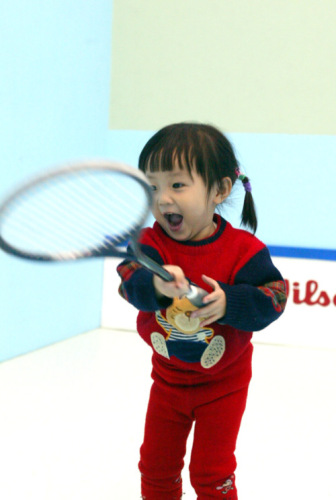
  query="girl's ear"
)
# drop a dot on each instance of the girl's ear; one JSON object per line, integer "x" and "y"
{"x": 223, "y": 190}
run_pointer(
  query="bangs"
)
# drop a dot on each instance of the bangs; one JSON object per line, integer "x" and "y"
{"x": 184, "y": 147}
{"x": 168, "y": 158}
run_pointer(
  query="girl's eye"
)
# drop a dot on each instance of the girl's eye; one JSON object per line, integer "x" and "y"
{"x": 153, "y": 188}
{"x": 177, "y": 185}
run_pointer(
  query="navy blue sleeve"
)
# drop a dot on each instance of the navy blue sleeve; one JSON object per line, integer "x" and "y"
{"x": 258, "y": 295}
{"x": 137, "y": 283}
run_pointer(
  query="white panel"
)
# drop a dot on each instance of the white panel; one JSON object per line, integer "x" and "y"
{"x": 309, "y": 318}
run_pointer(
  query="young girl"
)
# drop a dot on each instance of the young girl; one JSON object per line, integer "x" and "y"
{"x": 201, "y": 358}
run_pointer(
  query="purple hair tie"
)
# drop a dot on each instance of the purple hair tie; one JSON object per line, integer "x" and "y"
{"x": 247, "y": 187}
{"x": 245, "y": 181}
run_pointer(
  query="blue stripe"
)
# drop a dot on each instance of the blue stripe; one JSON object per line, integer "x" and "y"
{"x": 302, "y": 253}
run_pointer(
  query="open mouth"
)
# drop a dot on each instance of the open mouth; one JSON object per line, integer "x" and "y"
{"x": 174, "y": 220}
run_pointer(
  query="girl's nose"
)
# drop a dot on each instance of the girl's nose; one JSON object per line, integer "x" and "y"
{"x": 164, "y": 197}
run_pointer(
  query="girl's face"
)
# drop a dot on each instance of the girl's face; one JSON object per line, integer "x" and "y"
{"x": 182, "y": 204}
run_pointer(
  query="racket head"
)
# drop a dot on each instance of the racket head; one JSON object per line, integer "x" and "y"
{"x": 78, "y": 210}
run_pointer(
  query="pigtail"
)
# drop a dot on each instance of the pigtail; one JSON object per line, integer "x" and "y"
{"x": 249, "y": 214}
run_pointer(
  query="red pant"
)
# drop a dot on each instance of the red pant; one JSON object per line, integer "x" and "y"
{"x": 171, "y": 413}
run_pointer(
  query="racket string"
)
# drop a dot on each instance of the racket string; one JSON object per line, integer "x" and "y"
{"x": 73, "y": 215}
{"x": 40, "y": 226}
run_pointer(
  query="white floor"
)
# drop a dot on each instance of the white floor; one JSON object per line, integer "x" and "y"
{"x": 71, "y": 419}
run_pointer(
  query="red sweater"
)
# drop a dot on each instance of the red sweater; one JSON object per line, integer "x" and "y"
{"x": 255, "y": 293}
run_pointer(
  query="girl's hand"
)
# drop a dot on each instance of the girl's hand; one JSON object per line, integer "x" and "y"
{"x": 177, "y": 288}
{"x": 216, "y": 301}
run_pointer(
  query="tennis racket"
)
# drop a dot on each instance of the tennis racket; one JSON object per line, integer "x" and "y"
{"x": 82, "y": 210}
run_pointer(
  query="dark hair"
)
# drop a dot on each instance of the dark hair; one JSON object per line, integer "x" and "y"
{"x": 200, "y": 147}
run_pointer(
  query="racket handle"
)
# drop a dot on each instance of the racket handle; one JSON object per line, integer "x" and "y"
{"x": 153, "y": 266}
{"x": 195, "y": 295}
